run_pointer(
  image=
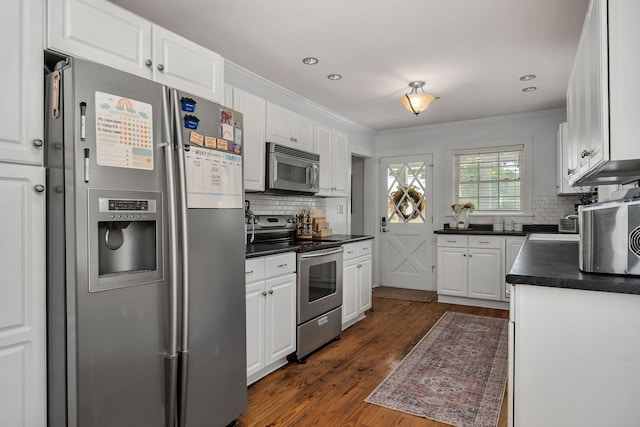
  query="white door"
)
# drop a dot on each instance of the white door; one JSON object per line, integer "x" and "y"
{"x": 407, "y": 215}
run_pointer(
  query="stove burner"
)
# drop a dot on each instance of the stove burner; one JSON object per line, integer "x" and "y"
{"x": 278, "y": 233}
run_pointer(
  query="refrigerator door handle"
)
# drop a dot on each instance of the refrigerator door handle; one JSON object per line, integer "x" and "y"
{"x": 171, "y": 357}
{"x": 184, "y": 251}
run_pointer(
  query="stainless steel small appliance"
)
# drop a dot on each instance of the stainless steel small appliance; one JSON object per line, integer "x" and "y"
{"x": 292, "y": 170}
{"x": 610, "y": 235}
{"x": 319, "y": 279}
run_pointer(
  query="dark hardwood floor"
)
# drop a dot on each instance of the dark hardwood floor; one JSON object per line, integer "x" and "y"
{"x": 330, "y": 389}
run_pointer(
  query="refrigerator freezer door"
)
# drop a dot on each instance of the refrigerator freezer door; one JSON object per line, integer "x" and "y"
{"x": 114, "y": 339}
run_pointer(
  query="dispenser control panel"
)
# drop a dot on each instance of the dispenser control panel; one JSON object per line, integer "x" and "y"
{"x": 126, "y": 209}
{"x": 128, "y": 205}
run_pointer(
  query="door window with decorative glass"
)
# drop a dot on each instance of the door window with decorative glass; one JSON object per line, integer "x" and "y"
{"x": 490, "y": 178}
{"x": 406, "y": 184}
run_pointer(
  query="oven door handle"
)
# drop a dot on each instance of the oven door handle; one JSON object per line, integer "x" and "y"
{"x": 321, "y": 252}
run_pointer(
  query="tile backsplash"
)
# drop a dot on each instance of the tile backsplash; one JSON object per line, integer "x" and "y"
{"x": 270, "y": 204}
{"x": 549, "y": 209}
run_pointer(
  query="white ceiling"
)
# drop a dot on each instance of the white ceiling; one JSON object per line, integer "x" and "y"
{"x": 471, "y": 53}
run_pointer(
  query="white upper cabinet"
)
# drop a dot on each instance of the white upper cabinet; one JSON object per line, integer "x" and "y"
{"x": 333, "y": 147}
{"x": 253, "y": 109}
{"x": 290, "y": 129}
{"x": 184, "y": 65}
{"x": 566, "y": 164}
{"x": 602, "y": 107}
{"x": 101, "y": 32}
{"x": 105, "y": 33}
{"x": 21, "y": 85}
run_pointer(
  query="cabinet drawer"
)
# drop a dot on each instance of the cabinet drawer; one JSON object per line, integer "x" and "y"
{"x": 254, "y": 270}
{"x": 350, "y": 251}
{"x": 364, "y": 248}
{"x": 277, "y": 265}
{"x": 492, "y": 242}
{"x": 452, "y": 241}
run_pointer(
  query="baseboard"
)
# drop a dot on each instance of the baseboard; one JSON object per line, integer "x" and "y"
{"x": 448, "y": 299}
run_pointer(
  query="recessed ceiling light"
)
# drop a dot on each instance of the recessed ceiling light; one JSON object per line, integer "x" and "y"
{"x": 527, "y": 77}
{"x": 310, "y": 60}
{"x": 334, "y": 76}
{"x": 530, "y": 89}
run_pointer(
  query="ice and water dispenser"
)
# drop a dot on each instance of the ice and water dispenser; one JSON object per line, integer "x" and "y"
{"x": 125, "y": 229}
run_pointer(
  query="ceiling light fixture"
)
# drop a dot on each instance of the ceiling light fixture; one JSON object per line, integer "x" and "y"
{"x": 530, "y": 89}
{"x": 527, "y": 77}
{"x": 310, "y": 60}
{"x": 415, "y": 101}
{"x": 334, "y": 76}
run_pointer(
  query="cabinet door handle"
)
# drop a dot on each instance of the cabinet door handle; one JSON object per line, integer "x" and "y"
{"x": 282, "y": 265}
{"x": 160, "y": 67}
{"x": 248, "y": 272}
{"x": 148, "y": 63}
{"x": 586, "y": 153}
{"x": 37, "y": 142}
{"x": 39, "y": 188}
{"x": 264, "y": 294}
{"x": 470, "y": 255}
{"x": 270, "y": 291}
{"x": 483, "y": 242}
{"x": 464, "y": 254}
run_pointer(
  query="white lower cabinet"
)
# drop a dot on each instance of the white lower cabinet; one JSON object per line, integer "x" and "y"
{"x": 22, "y": 296}
{"x": 271, "y": 313}
{"x": 575, "y": 357}
{"x": 356, "y": 282}
{"x": 470, "y": 267}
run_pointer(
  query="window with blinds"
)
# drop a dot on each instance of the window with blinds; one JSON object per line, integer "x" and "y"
{"x": 489, "y": 178}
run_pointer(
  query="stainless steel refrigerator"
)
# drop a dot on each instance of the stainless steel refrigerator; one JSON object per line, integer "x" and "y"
{"x": 145, "y": 285}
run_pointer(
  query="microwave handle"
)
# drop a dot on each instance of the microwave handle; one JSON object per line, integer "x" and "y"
{"x": 312, "y": 175}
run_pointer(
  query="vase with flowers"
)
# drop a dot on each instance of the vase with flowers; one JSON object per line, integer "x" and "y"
{"x": 461, "y": 213}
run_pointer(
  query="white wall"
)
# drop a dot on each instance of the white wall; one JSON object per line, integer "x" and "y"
{"x": 541, "y": 127}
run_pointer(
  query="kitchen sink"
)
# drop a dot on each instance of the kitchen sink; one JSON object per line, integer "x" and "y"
{"x": 555, "y": 237}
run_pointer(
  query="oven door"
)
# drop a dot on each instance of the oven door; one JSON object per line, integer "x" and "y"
{"x": 319, "y": 282}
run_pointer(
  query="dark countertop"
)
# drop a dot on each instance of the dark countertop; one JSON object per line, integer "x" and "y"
{"x": 555, "y": 264}
{"x": 263, "y": 249}
{"x": 487, "y": 230}
{"x": 343, "y": 238}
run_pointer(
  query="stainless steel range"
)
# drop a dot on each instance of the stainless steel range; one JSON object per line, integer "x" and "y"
{"x": 319, "y": 279}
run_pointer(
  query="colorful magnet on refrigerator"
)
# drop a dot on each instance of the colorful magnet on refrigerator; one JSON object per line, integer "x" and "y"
{"x": 191, "y": 122}
{"x": 188, "y": 105}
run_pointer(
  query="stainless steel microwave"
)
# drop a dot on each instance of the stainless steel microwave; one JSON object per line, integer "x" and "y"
{"x": 292, "y": 170}
{"x": 610, "y": 236}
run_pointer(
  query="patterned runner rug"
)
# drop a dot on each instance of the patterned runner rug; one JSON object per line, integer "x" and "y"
{"x": 456, "y": 374}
